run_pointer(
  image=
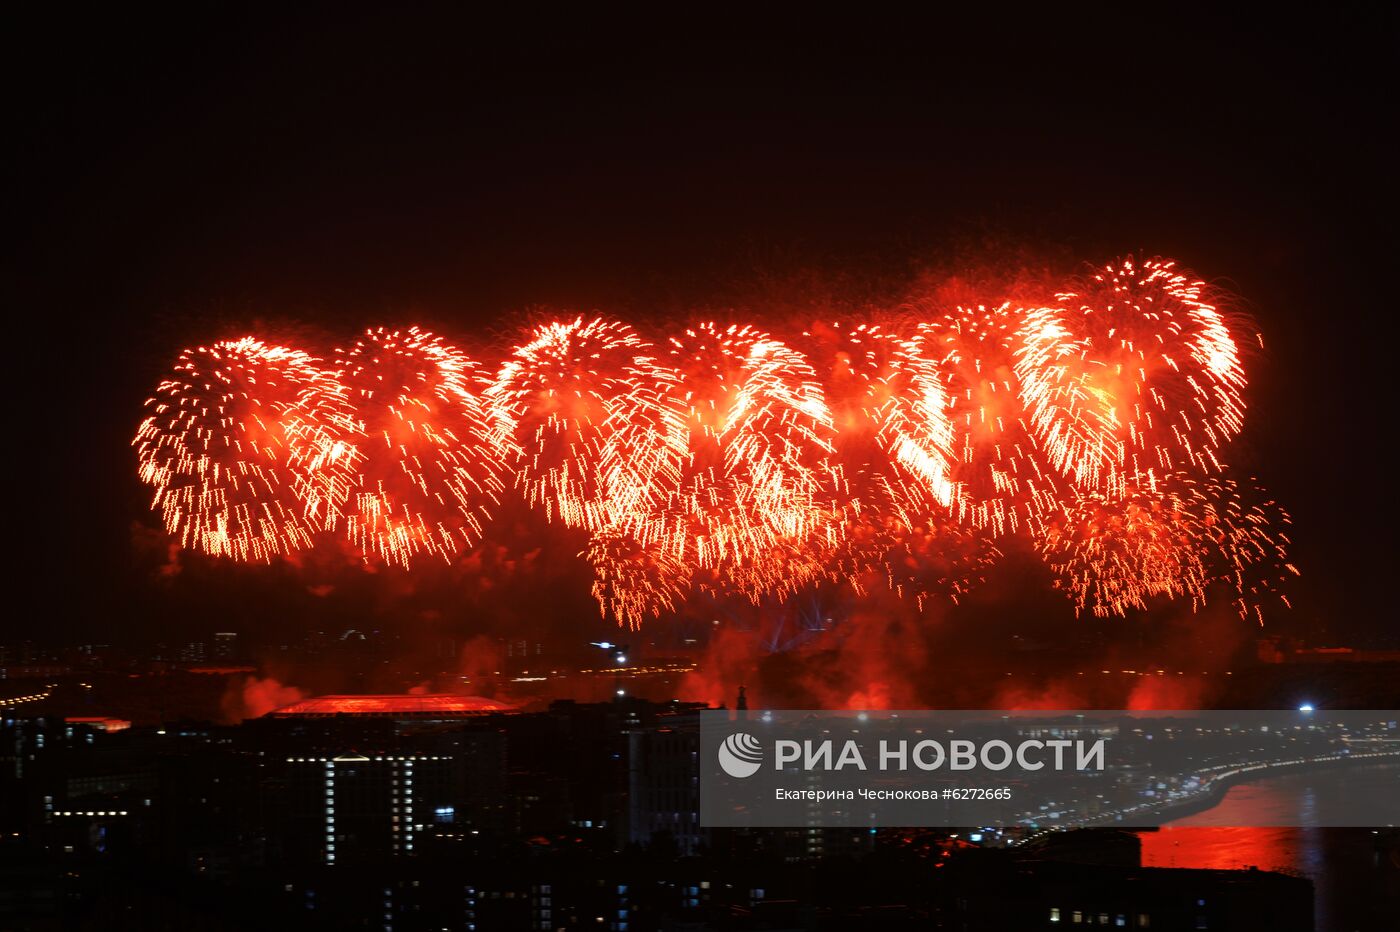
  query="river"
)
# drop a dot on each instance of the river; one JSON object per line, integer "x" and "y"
{"x": 1356, "y": 883}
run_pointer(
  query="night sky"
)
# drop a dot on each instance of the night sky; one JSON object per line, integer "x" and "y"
{"x": 189, "y": 176}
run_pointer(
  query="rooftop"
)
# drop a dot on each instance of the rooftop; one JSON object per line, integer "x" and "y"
{"x": 404, "y": 706}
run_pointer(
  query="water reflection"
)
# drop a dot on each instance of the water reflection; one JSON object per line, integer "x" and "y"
{"x": 1355, "y": 872}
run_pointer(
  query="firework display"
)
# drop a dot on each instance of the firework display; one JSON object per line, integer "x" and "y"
{"x": 753, "y": 448}
{"x": 246, "y": 449}
{"x": 891, "y": 412}
{"x": 898, "y": 450}
{"x": 1134, "y": 369}
{"x": 429, "y": 466}
{"x": 583, "y": 402}
{"x": 1002, "y": 479}
{"x": 1178, "y": 537}
{"x": 894, "y": 468}
{"x": 632, "y": 583}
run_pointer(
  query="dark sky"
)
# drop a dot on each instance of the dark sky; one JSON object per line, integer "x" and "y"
{"x": 189, "y": 176}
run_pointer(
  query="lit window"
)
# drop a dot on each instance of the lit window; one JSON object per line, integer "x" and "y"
{"x": 1054, "y": 914}
{"x": 1144, "y": 920}
{"x": 1077, "y": 917}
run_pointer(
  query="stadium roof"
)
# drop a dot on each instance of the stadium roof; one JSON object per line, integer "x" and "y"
{"x": 407, "y": 706}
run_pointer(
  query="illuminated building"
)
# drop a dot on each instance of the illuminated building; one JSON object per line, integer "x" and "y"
{"x": 400, "y": 708}
{"x": 225, "y": 645}
{"x": 664, "y": 785}
{"x": 370, "y": 777}
{"x": 354, "y": 807}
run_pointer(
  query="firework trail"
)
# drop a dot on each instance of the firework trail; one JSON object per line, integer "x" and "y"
{"x": 1175, "y": 537}
{"x": 754, "y": 451}
{"x": 891, "y": 413}
{"x": 632, "y": 583}
{"x": 245, "y": 447}
{"x": 429, "y": 464}
{"x": 584, "y": 403}
{"x": 1113, "y": 553}
{"x": 1134, "y": 370}
{"x": 726, "y": 462}
{"x": 743, "y": 449}
{"x": 894, "y": 465}
{"x": 1002, "y": 481}
{"x": 923, "y": 552}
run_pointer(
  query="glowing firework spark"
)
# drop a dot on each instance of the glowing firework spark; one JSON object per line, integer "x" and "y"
{"x": 1002, "y": 482}
{"x": 583, "y": 400}
{"x": 754, "y": 449}
{"x": 1171, "y": 538}
{"x": 245, "y": 449}
{"x": 430, "y": 467}
{"x": 1135, "y": 370}
{"x": 724, "y": 462}
{"x": 889, "y": 408}
{"x": 894, "y": 466}
{"x": 632, "y": 583}
{"x": 916, "y": 547}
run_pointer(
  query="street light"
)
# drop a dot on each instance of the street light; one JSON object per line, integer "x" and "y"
{"x": 618, "y": 651}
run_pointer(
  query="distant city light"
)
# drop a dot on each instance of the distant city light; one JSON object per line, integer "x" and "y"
{"x": 1305, "y": 707}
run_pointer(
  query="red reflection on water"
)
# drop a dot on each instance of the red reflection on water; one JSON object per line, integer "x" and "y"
{"x": 1352, "y": 887}
{"x": 1214, "y": 839}
{"x": 1223, "y": 848}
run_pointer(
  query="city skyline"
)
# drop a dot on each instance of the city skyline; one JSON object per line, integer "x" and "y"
{"x": 427, "y": 419}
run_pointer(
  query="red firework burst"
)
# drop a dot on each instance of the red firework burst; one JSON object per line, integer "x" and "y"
{"x": 430, "y": 465}
{"x": 1134, "y": 370}
{"x": 1002, "y": 482}
{"x": 753, "y": 451}
{"x": 245, "y": 449}
{"x": 1171, "y": 538}
{"x": 584, "y": 402}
